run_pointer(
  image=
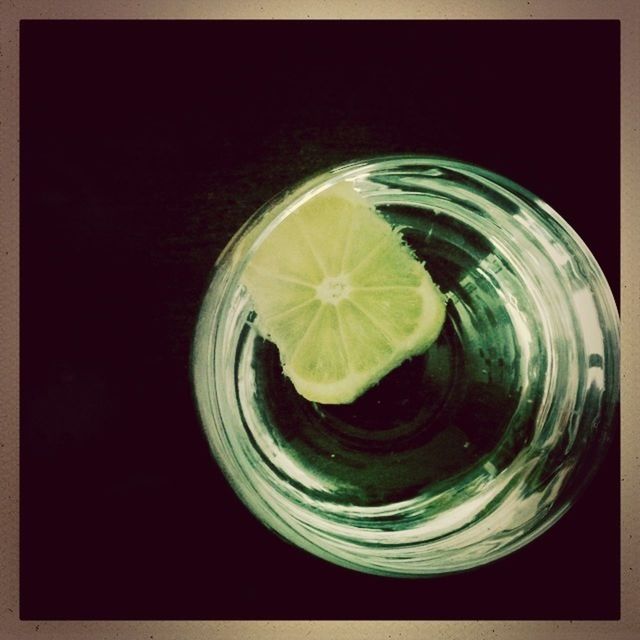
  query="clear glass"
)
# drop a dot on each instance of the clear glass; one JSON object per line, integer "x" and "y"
{"x": 461, "y": 455}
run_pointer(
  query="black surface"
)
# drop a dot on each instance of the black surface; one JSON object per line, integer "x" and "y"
{"x": 144, "y": 146}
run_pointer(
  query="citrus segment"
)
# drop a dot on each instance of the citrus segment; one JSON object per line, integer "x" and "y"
{"x": 320, "y": 357}
{"x": 396, "y": 311}
{"x": 287, "y": 255}
{"x": 280, "y": 293}
{"x": 288, "y": 328}
{"x": 387, "y": 266}
{"x": 366, "y": 346}
{"x": 341, "y": 295}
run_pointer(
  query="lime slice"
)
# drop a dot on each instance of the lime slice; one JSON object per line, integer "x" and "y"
{"x": 341, "y": 296}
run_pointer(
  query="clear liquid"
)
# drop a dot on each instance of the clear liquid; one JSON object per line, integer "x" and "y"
{"x": 461, "y": 409}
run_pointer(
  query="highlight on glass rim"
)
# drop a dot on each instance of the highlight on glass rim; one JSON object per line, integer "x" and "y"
{"x": 408, "y": 365}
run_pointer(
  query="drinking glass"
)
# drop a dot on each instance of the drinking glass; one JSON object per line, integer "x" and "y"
{"x": 461, "y": 455}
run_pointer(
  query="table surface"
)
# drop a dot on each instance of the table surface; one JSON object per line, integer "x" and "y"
{"x": 144, "y": 146}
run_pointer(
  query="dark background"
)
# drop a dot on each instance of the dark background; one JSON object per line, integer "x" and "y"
{"x": 144, "y": 146}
